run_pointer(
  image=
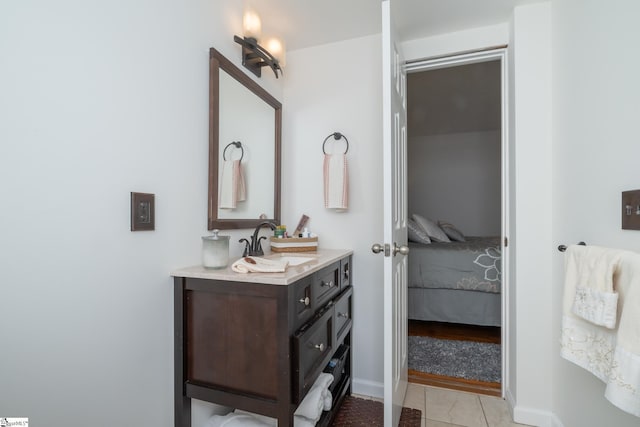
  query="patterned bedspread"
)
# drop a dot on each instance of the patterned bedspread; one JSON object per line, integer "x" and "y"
{"x": 472, "y": 265}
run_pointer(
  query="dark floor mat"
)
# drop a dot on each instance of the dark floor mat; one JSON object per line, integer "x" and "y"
{"x": 362, "y": 412}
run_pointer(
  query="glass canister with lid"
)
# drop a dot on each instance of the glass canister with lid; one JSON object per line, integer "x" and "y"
{"x": 215, "y": 250}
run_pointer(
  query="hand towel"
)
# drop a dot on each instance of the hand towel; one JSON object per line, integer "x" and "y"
{"x": 336, "y": 182}
{"x": 612, "y": 355}
{"x": 231, "y": 188}
{"x": 595, "y": 298}
{"x": 251, "y": 264}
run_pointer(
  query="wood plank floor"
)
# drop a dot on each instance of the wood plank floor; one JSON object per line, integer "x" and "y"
{"x": 451, "y": 331}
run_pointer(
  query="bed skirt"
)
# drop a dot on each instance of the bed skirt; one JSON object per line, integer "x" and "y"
{"x": 455, "y": 306}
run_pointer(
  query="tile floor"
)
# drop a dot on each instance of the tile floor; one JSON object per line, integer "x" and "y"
{"x": 449, "y": 408}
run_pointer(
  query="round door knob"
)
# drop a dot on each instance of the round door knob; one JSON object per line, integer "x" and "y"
{"x": 404, "y": 250}
{"x": 305, "y": 300}
{"x": 320, "y": 347}
{"x": 377, "y": 248}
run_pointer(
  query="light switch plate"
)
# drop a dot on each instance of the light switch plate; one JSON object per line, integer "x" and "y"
{"x": 142, "y": 211}
{"x": 631, "y": 210}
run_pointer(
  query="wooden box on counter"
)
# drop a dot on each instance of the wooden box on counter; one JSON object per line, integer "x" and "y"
{"x": 294, "y": 244}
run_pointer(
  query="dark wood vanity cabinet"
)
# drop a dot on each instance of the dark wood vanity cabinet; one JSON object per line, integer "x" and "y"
{"x": 260, "y": 347}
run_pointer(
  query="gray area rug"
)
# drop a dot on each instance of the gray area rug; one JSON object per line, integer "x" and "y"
{"x": 452, "y": 358}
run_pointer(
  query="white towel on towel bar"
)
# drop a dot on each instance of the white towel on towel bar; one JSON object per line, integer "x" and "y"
{"x": 591, "y": 268}
{"x": 612, "y": 355}
{"x": 336, "y": 182}
{"x": 232, "y": 188}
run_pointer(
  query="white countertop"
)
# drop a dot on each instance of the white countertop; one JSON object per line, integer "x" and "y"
{"x": 321, "y": 258}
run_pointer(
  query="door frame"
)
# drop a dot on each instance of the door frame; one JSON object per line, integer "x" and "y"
{"x": 492, "y": 54}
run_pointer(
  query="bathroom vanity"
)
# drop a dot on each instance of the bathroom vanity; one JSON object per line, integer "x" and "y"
{"x": 258, "y": 341}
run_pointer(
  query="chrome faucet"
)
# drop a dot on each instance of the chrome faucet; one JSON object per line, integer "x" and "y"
{"x": 254, "y": 248}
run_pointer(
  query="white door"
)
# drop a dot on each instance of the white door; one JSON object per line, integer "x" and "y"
{"x": 395, "y": 220}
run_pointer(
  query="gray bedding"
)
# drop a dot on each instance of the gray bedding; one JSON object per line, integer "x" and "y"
{"x": 455, "y": 306}
{"x": 472, "y": 265}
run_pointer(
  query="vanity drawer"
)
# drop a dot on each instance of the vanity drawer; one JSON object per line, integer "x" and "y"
{"x": 326, "y": 285}
{"x": 301, "y": 308}
{"x": 343, "y": 305}
{"x": 313, "y": 346}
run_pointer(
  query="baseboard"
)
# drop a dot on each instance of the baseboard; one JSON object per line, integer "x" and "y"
{"x": 529, "y": 416}
{"x": 368, "y": 388}
{"x": 555, "y": 421}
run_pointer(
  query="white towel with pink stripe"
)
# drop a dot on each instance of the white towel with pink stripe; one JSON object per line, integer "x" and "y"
{"x": 336, "y": 182}
{"x": 232, "y": 187}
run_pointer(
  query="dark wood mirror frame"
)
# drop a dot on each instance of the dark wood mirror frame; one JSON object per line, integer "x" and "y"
{"x": 218, "y": 62}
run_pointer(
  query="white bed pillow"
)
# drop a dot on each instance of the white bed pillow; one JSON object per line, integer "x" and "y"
{"x": 416, "y": 233}
{"x": 451, "y": 231}
{"x": 431, "y": 227}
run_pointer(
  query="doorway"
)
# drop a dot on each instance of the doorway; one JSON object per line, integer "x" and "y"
{"x": 457, "y": 191}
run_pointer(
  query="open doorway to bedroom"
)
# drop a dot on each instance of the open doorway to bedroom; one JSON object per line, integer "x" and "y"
{"x": 456, "y": 152}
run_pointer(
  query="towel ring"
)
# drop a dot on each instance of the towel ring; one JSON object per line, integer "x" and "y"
{"x": 336, "y": 136}
{"x": 237, "y": 144}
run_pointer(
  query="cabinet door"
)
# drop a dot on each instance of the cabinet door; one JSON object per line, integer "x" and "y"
{"x": 232, "y": 341}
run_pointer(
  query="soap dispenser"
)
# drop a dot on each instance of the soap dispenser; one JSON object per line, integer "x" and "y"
{"x": 215, "y": 250}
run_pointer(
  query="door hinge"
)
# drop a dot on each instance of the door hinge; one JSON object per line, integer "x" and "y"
{"x": 506, "y": 241}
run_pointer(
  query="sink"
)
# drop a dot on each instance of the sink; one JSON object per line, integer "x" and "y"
{"x": 294, "y": 260}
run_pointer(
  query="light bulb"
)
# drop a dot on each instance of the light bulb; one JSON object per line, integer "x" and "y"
{"x": 276, "y": 48}
{"x": 251, "y": 24}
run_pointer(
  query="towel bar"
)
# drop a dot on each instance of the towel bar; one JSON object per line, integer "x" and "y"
{"x": 563, "y": 248}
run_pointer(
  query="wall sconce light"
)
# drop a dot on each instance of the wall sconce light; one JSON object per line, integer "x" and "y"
{"x": 254, "y": 56}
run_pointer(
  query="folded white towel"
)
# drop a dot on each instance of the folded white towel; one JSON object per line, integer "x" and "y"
{"x": 312, "y": 405}
{"x": 307, "y": 415}
{"x": 251, "y": 264}
{"x": 231, "y": 188}
{"x": 596, "y": 306}
{"x": 612, "y": 355}
{"x": 327, "y": 400}
{"x": 236, "y": 420}
{"x": 591, "y": 268}
{"x": 262, "y": 418}
{"x": 336, "y": 182}
{"x": 240, "y": 418}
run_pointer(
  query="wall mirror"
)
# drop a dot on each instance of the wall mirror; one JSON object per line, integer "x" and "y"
{"x": 244, "y": 148}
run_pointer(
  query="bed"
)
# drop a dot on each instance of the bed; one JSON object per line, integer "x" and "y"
{"x": 456, "y": 282}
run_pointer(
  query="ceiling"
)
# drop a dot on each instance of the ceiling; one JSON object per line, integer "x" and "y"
{"x": 450, "y": 101}
{"x": 304, "y": 23}
{"x": 458, "y": 99}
